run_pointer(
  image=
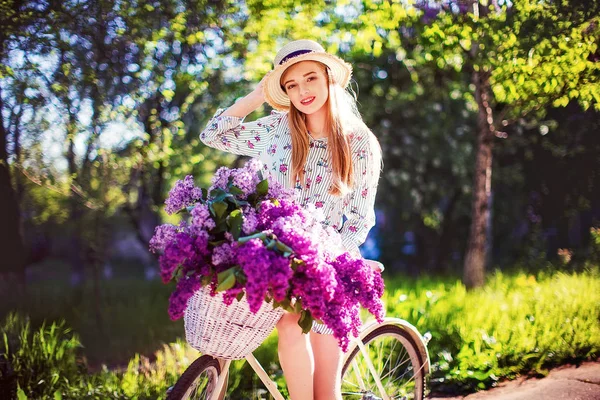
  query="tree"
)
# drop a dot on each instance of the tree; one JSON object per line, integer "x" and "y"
{"x": 522, "y": 58}
{"x": 22, "y": 26}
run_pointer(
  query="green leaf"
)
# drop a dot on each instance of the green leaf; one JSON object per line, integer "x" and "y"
{"x": 221, "y": 226}
{"x": 298, "y": 306}
{"x": 235, "y": 221}
{"x": 296, "y": 262}
{"x": 284, "y": 248}
{"x": 305, "y": 321}
{"x": 259, "y": 235}
{"x": 226, "y": 279}
{"x": 57, "y": 395}
{"x": 236, "y": 190}
{"x": 217, "y": 192}
{"x": 219, "y": 209}
{"x": 252, "y": 199}
{"x": 176, "y": 273}
{"x": 240, "y": 276}
{"x": 21, "y": 394}
{"x": 240, "y": 296}
{"x": 285, "y": 304}
{"x": 263, "y": 187}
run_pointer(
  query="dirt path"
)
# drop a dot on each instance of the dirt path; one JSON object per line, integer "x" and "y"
{"x": 566, "y": 382}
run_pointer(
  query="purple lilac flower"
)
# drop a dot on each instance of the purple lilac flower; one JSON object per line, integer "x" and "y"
{"x": 280, "y": 274}
{"x": 186, "y": 252}
{"x": 220, "y": 179}
{"x": 230, "y": 294}
{"x": 223, "y": 254}
{"x": 175, "y": 255}
{"x": 183, "y": 194}
{"x": 269, "y": 212}
{"x": 278, "y": 191}
{"x": 186, "y": 287}
{"x": 245, "y": 180}
{"x": 163, "y": 235}
{"x": 331, "y": 283}
{"x": 201, "y": 219}
{"x": 250, "y": 221}
{"x": 253, "y": 258}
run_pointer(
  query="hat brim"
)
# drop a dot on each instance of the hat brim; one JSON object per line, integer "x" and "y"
{"x": 340, "y": 70}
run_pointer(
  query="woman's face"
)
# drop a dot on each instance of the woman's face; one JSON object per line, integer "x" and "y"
{"x": 306, "y": 85}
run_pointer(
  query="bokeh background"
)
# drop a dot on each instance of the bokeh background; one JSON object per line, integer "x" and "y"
{"x": 488, "y": 114}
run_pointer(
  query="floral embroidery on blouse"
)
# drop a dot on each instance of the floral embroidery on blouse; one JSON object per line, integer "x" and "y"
{"x": 268, "y": 139}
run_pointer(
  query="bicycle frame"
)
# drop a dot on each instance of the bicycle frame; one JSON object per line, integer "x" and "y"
{"x": 366, "y": 329}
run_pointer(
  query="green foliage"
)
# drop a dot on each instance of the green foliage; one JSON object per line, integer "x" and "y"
{"x": 150, "y": 380}
{"x": 109, "y": 333}
{"x": 595, "y": 245}
{"x": 514, "y": 325}
{"x": 47, "y": 362}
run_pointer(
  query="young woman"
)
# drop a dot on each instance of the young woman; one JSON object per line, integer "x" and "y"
{"x": 318, "y": 144}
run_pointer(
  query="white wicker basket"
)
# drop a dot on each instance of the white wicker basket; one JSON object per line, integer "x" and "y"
{"x": 229, "y": 332}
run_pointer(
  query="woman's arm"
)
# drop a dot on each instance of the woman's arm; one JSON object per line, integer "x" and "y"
{"x": 247, "y": 104}
{"x": 226, "y": 130}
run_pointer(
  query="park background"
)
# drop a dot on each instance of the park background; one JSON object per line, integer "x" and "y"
{"x": 488, "y": 210}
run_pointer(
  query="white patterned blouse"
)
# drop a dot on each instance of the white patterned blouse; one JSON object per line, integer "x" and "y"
{"x": 268, "y": 139}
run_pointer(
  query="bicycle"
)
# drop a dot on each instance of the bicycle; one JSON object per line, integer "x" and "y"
{"x": 388, "y": 360}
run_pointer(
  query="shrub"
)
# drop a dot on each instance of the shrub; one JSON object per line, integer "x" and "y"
{"x": 44, "y": 361}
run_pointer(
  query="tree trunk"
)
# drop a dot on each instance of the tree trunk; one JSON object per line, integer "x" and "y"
{"x": 11, "y": 242}
{"x": 75, "y": 210}
{"x": 475, "y": 257}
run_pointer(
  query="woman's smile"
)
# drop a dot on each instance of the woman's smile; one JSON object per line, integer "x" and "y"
{"x": 307, "y": 101}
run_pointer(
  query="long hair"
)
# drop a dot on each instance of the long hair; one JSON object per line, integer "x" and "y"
{"x": 342, "y": 118}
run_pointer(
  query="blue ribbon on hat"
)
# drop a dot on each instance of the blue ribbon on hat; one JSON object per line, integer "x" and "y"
{"x": 294, "y": 54}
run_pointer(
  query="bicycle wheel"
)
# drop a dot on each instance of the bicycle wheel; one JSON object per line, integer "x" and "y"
{"x": 199, "y": 381}
{"x": 397, "y": 362}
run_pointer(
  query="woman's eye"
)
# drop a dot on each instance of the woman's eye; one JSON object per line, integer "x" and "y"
{"x": 291, "y": 87}
{"x": 311, "y": 78}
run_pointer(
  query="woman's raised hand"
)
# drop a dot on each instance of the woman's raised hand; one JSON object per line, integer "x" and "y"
{"x": 258, "y": 94}
{"x": 248, "y": 103}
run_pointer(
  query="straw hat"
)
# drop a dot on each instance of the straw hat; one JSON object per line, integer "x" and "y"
{"x": 292, "y": 53}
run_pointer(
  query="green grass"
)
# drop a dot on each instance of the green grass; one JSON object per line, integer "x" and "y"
{"x": 128, "y": 317}
{"x": 518, "y": 323}
{"x": 514, "y": 325}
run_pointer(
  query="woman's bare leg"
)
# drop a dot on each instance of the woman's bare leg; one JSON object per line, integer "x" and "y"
{"x": 295, "y": 357}
{"x": 328, "y": 367}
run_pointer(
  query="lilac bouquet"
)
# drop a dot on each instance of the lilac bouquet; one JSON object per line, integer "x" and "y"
{"x": 246, "y": 236}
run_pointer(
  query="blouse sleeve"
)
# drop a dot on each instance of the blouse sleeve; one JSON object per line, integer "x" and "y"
{"x": 360, "y": 207}
{"x": 231, "y": 134}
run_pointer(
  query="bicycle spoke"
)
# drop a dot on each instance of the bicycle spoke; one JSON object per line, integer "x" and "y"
{"x": 357, "y": 373}
{"x": 200, "y": 388}
{"x": 394, "y": 370}
{"x": 390, "y": 352}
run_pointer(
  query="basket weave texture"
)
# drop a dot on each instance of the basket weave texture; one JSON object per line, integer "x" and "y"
{"x": 230, "y": 332}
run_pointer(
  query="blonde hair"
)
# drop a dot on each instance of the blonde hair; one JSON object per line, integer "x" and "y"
{"x": 340, "y": 103}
